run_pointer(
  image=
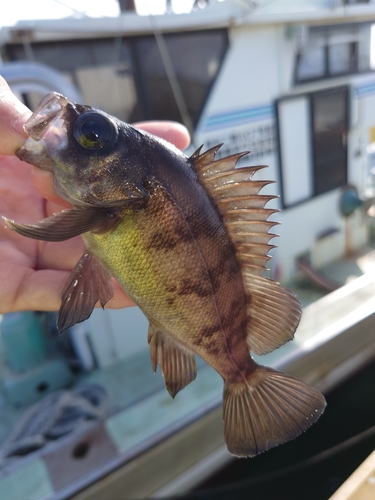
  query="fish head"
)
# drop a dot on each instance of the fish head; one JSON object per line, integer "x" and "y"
{"x": 95, "y": 159}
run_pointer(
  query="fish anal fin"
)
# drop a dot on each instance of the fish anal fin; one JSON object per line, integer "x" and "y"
{"x": 273, "y": 313}
{"x": 177, "y": 364}
{"x": 88, "y": 283}
{"x": 268, "y": 409}
{"x": 67, "y": 224}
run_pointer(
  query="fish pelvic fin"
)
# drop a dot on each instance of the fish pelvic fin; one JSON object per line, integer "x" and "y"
{"x": 88, "y": 283}
{"x": 266, "y": 410}
{"x": 177, "y": 364}
{"x": 67, "y": 224}
{"x": 273, "y": 311}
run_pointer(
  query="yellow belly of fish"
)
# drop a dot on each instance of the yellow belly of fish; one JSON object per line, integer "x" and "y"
{"x": 151, "y": 277}
{"x": 123, "y": 253}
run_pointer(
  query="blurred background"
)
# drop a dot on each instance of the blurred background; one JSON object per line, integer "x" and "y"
{"x": 82, "y": 415}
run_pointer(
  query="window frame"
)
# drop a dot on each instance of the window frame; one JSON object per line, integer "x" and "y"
{"x": 312, "y": 157}
{"x": 354, "y": 64}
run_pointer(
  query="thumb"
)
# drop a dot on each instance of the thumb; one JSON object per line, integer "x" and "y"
{"x": 13, "y": 115}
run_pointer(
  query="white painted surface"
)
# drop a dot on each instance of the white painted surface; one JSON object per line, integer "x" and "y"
{"x": 245, "y": 79}
{"x": 301, "y": 226}
{"x": 117, "y": 334}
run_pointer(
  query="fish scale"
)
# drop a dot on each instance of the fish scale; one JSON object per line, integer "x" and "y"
{"x": 187, "y": 239}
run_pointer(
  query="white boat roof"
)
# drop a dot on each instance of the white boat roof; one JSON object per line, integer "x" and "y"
{"x": 221, "y": 14}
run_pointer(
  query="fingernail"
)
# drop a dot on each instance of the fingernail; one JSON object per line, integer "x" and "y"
{"x": 19, "y": 123}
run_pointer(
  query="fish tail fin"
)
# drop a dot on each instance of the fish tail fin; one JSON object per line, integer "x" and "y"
{"x": 267, "y": 409}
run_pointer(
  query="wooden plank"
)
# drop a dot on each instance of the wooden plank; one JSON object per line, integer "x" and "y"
{"x": 361, "y": 484}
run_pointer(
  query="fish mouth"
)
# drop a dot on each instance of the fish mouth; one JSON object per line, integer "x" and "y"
{"x": 46, "y": 132}
{"x": 46, "y": 112}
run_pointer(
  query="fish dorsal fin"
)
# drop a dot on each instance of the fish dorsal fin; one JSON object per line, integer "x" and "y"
{"x": 205, "y": 158}
{"x": 196, "y": 154}
{"x": 215, "y": 167}
{"x": 243, "y": 208}
{"x": 273, "y": 311}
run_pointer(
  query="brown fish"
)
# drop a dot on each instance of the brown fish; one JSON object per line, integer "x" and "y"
{"x": 187, "y": 239}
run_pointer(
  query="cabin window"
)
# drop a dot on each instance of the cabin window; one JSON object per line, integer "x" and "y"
{"x": 312, "y": 131}
{"x": 342, "y": 58}
{"x": 195, "y": 60}
{"x": 334, "y": 51}
{"x": 311, "y": 63}
{"x": 134, "y": 78}
{"x": 101, "y": 69}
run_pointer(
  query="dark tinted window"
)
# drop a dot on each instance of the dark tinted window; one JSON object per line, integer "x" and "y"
{"x": 330, "y": 128}
{"x": 127, "y": 77}
{"x": 195, "y": 59}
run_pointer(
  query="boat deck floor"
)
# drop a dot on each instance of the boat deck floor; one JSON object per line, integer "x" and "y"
{"x": 342, "y": 271}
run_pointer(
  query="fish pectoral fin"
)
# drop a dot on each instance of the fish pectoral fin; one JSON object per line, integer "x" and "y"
{"x": 66, "y": 224}
{"x": 88, "y": 283}
{"x": 267, "y": 409}
{"x": 177, "y": 364}
{"x": 273, "y": 314}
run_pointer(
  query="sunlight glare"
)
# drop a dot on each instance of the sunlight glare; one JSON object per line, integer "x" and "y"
{"x": 182, "y": 6}
{"x": 150, "y": 7}
{"x": 25, "y": 10}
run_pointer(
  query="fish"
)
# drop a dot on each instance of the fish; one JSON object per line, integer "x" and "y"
{"x": 187, "y": 238}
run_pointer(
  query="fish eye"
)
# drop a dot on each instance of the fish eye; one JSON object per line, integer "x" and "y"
{"x": 94, "y": 131}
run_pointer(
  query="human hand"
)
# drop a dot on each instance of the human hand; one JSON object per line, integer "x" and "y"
{"x": 32, "y": 273}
